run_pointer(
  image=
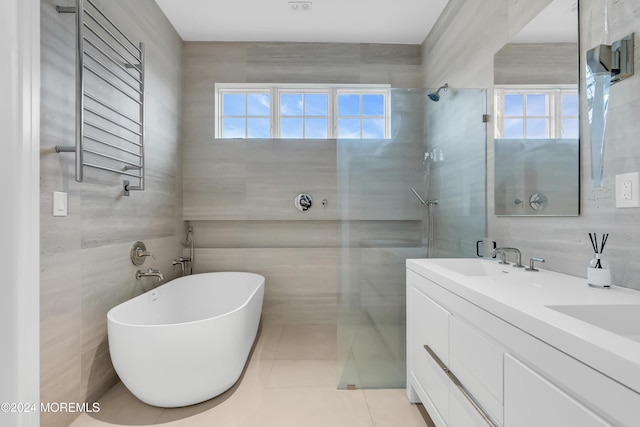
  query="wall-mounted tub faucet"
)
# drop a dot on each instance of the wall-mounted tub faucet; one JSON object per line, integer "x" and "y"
{"x": 149, "y": 273}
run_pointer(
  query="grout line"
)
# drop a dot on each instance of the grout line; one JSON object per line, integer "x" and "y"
{"x": 366, "y": 401}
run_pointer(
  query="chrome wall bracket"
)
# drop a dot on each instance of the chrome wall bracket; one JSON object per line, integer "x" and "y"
{"x": 616, "y": 59}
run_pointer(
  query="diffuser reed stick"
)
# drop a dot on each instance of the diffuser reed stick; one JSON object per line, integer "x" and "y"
{"x": 594, "y": 244}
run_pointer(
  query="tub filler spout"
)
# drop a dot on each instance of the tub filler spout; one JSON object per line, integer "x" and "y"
{"x": 149, "y": 273}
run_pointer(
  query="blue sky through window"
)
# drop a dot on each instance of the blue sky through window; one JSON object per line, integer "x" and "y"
{"x": 373, "y": 105}
{"x": 314, "y": 112}
{"x": 513, "y": 105}
{"x": 258, "y": 104}
{"x": 233, "y": 104}
{"x": 316, "y": 104}
{"x": 536, "y": 105}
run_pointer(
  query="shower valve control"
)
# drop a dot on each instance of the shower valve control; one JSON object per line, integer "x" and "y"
{"x": 303, "y": 202}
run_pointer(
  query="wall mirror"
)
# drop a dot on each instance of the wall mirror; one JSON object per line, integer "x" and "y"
{"x": 537, "y": 122}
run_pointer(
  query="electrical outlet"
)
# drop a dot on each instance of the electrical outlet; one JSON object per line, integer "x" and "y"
{"x": 628, "y": 190}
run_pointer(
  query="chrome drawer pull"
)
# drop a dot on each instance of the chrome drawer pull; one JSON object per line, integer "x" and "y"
{"x": 474, "y": 402}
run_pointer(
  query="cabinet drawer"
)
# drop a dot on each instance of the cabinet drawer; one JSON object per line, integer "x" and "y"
{"x": 478, "y": 363}
{"x": 532, "y": 401}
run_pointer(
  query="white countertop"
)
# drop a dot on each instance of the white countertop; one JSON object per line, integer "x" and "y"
{"x": 522, "y": 298}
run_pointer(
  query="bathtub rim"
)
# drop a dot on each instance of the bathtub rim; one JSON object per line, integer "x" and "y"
{"x": 110, "y": 315}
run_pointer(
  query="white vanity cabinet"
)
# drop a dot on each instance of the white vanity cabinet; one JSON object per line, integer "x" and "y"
{"x": 514, "y": 378}
{"x": 449, "y": 343}
{"x": 532, "y": 401}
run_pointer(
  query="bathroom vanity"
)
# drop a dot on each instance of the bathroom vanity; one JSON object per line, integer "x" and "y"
{"x": 491, "y": 344}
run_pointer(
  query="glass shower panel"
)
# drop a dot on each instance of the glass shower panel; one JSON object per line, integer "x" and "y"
{"x": 455, "y": 138}
{"x": 382, "y": 224}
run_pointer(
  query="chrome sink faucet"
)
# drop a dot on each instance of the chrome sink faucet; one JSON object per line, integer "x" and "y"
{"x": 149, "y": 273}
{"x": 503, "y": 255}
{"x": 504, "y": 251}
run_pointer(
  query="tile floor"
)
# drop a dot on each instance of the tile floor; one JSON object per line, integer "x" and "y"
{"x": 289, "y": 381}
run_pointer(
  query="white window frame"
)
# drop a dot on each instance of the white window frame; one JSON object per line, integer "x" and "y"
{"x": 275, "y": 90}
{"x": 554, "y": 106}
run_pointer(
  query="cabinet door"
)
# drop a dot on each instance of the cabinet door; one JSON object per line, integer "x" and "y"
{"x": 478, "y": 363}
{"x": 532, "y": 401}
{"x": 429, "y": 325}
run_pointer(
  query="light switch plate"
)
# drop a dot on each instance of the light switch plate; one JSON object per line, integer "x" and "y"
{"x": 60, "y": 205}
{"x": 628, "y": 190}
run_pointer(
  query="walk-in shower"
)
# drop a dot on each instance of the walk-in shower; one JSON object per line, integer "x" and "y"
{"x": 380, "y": 225}
{"x": 435, "y": 96}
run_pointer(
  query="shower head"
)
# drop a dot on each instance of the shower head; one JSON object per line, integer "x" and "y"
{"x": 435, "y": 96}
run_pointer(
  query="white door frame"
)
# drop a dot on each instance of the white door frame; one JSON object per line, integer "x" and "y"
{"x": 19, "y": 210}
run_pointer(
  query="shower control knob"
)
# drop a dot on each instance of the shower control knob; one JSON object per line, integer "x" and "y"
{"x": 303, "y": 202}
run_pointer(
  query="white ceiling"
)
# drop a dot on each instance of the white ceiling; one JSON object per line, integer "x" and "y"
{"x": 558, "y": 22}
{"x": 329, "y": 21}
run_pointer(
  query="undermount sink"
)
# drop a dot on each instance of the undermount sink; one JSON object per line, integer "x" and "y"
{"x": 617, "y": 318}
{"x": 466, "y": 267}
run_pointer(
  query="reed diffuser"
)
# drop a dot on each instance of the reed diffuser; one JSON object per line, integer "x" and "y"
{"x": 598, "y": 272}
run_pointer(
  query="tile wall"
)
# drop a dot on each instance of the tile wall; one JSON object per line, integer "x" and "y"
{"x": 239, "y": 193}
{"x": 85, "y": 266}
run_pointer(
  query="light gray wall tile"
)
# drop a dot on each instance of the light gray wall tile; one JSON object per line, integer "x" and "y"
{"x": 300, "y": 283}
{"x": 536, "y": 63}
{"x": 84, "y": 257}
{"x": 405, "y": 54}
{"x": 296, "y": 54}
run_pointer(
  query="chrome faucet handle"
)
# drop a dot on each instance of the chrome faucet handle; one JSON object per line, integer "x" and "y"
{"x": 142, "y": 253}
{"x": 531, "y": 266}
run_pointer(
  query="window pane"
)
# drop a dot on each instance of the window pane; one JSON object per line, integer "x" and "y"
{"x": 537, "y": 128}
{"x": 373, "y": 128}
{"x": 233, "y": 104}
{"x": 258, "y": 104}
{"x": 316, "y": 104}
{"x": 570, "y": 128}
{"x": 536, "y": 105}
{"x": 315, "y": 128}
{"x": 513, "y": 128}
{"x": 570, "y": 105}
{"x": 291, "y": 105}
{"x": 258, "y": 128}
{"x": 290, "y": 128}
{"x": 349, "y": 105}
{"x": 233, "y": 128}
{"x": 348, "y": 128}
{"x": 513, "y": 105}
{"x": 372, "y": 105}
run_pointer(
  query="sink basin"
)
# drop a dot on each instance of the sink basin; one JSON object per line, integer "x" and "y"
{"x": 620, "y": 319}
{"x": 466, "y": 267}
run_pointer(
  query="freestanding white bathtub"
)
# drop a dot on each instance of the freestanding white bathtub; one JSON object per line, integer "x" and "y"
{"x": 187, "y": 340}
